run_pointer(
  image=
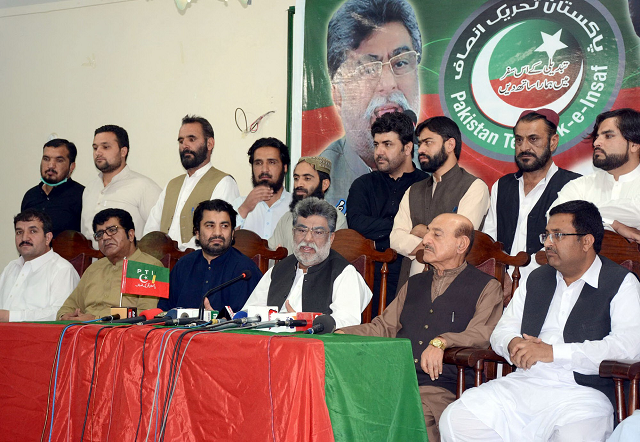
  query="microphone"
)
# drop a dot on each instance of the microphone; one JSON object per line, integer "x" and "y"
{"x": 144, "y": 316}
{"x": 236, "y": 323}
{"x": 109, "y": 318}
{"x": 292, "y": 323}
{"x": 246, "y": 274}
{"x": 411, "y": 114}
{"x": 240, "y": 315}
{"x": 322, "y": 324}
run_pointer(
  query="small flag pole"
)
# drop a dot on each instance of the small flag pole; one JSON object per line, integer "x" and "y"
{"x": 124, "y": 278}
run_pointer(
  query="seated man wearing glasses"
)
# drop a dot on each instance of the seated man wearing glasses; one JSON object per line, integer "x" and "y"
{"x": 572, "y": 314}
{"x": 100, "y": 285}
{"x": 315, "y": 278}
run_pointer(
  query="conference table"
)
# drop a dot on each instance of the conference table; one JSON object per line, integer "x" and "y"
{"x": 66, "y": 382}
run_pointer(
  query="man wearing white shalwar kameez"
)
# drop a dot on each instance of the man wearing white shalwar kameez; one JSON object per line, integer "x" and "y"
{"x": 556, "y": 393}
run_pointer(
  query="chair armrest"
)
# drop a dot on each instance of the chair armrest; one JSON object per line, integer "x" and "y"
{"x": 623, "y": 369}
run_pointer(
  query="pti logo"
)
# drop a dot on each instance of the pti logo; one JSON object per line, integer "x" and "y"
{"x": 507, "y": 57}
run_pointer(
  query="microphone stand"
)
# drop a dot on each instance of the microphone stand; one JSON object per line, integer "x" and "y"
{"x": 215, "y": 289}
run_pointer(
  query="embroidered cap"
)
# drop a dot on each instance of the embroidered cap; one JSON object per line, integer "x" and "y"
{"x": 549, "y": 115}
{"x": 320, "y": 164}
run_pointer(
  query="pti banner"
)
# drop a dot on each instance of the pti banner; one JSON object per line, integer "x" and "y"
{"x": 480, "y": 63}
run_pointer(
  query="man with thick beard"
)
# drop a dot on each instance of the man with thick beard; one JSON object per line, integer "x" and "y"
{"x": 374, "y": 48}
{"x": 268, "y": 201}
{"x": 315, "y": 278}
{"x": 311, "y": 177}
{"x": 450, "y": 189}
{"x": 213, "y": 225}
{"x": 57, "y": 194}
{"x": 519, "y": 201}
{"x": 116, "y": 186}
{"x": 173, "y": 212}
{"x": 615, "y": 187}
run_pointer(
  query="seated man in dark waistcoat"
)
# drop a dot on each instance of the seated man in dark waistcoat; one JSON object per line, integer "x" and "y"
{"x": 450, "y": 304}
{"x": 572, "y": 314}
{"x": 315, "y": 278}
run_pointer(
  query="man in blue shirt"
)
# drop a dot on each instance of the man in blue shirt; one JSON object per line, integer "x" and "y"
{"x": 217, "y": 262}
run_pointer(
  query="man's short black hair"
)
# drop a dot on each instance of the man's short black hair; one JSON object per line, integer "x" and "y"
{"x": 59, "y": 142}
{"x": 355, "y": 20}
{"x": 552, "y": 129}
{"x": 207, "y": 130}
{"x": 586, "y": 219}
{"x": 446, "y": 128}
{"x": 30, "y": 215}
{"x": 397, "y": 122}
{"x": 270, "y": 142}
{"x": 121, "y": 136}
{"x": 627, "y": 121}
{"x": 124, "y": 219}
{"x": 216, "y": 205}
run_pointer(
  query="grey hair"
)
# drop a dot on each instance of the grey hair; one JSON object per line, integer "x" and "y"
{"x": 314, "y": 206}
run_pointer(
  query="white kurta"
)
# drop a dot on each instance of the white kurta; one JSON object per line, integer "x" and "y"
{"x": 351, "y": 295}
{"x": 263, "y": 219}
{"x": 36, "y": 289}
{"x": 128, "y": 190}
{"x": 529, "y": 405}
{"x": 226, "y": 189}
{"x": 616, "y": 200}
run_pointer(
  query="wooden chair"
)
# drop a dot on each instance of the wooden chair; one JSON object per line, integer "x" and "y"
{"x": 620, "y": 251}
{"x": 75, "y": 248}
{"x": 488, "y": 256}
{"x": 362, "y": 254}
{"x": 250, "y": 244}
{"x": 163, "y": 248}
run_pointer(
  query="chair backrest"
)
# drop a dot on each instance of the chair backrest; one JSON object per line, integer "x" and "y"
{"x": 488, "y": 256}
{"x": 163, "y": 248}
{"x": 362, "y": 254}
{"x": 616, "y": 248}
{"x": 250, "y": 244}
{"x": 75, "y": 248}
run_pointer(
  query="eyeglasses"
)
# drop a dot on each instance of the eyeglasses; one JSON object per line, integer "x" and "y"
{"x": 301, "y": 232}
{"x": 401, "y": 64}
{"x": 557, "y": 236}
{"x": 112, "y": 230}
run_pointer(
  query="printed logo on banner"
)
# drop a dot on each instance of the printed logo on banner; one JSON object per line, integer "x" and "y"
{"x": 507, "y": 57}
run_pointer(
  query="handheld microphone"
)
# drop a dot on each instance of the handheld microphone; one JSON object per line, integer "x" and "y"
{"x": 109, "y": 318}
{"x": 144, "y": 316}
{"x": 322, "y": 324}
{"x": 246, "y": 274}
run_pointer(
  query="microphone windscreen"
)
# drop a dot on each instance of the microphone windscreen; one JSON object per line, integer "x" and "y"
{"x": 151, "y": 313}
{"x": 246, "y": 274}
{"x": 411, "y": 114}
{"x": 240, "y": 315}
{"x": 327, "y": 321}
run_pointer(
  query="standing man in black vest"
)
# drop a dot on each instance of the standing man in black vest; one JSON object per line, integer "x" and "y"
{"x": 374, "y": 198}
{"x": 315, "y": 278}
{"x": 520, "y": 201}
{"x": 452, "y": 304}
{"x": 450, "y": 189}
{"x": 570, "y": 316}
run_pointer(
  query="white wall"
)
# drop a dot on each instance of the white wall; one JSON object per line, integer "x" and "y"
{"x": 71, "y": 66}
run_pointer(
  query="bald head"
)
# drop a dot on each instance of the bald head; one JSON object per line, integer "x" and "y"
{"x": 448, "y": 241}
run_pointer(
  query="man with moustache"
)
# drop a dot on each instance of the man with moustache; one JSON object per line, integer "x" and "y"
{"x": 100, "y": 287}
{"x": 116, "y": 186}
{"x": 315, "y": 278}
{"x": 451, "y": 304}
{"x": 373, "y": 50}
{"x": 173, "y": 211}
{"x": 520, "y": 201}
{"x": 34, "y": 286}
{"x": 572, "y": 314}
{"x": 374, "y": 198}
{"x": 196, "y": 273}
{"x": 57, "y": 195}
{"x": 311, "y": 177}
{"x": 615, "y": 187}
{"x": 268, "y": 201}
{"x": 449, "y": 189}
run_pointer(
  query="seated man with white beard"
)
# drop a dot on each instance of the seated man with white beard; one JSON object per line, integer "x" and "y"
{"x": 315, "y": 278}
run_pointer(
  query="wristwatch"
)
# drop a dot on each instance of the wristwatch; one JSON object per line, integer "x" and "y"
{"x": 438, "y": 343}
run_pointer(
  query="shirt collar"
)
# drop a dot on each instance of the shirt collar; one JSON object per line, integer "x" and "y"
{"x": 123, "y": 174}
{"x": 353, "y": 160}
{"x": 38, "y": 262}
{"x": 450, "y": 272}
{"x": 628, "y": 177}
{"x": 200, "y": 172}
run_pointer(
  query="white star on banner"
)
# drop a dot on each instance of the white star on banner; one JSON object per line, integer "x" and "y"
{"x": 551, "y": 43}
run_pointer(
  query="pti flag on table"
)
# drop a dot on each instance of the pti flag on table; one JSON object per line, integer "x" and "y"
{"x": 143, "y": 279}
